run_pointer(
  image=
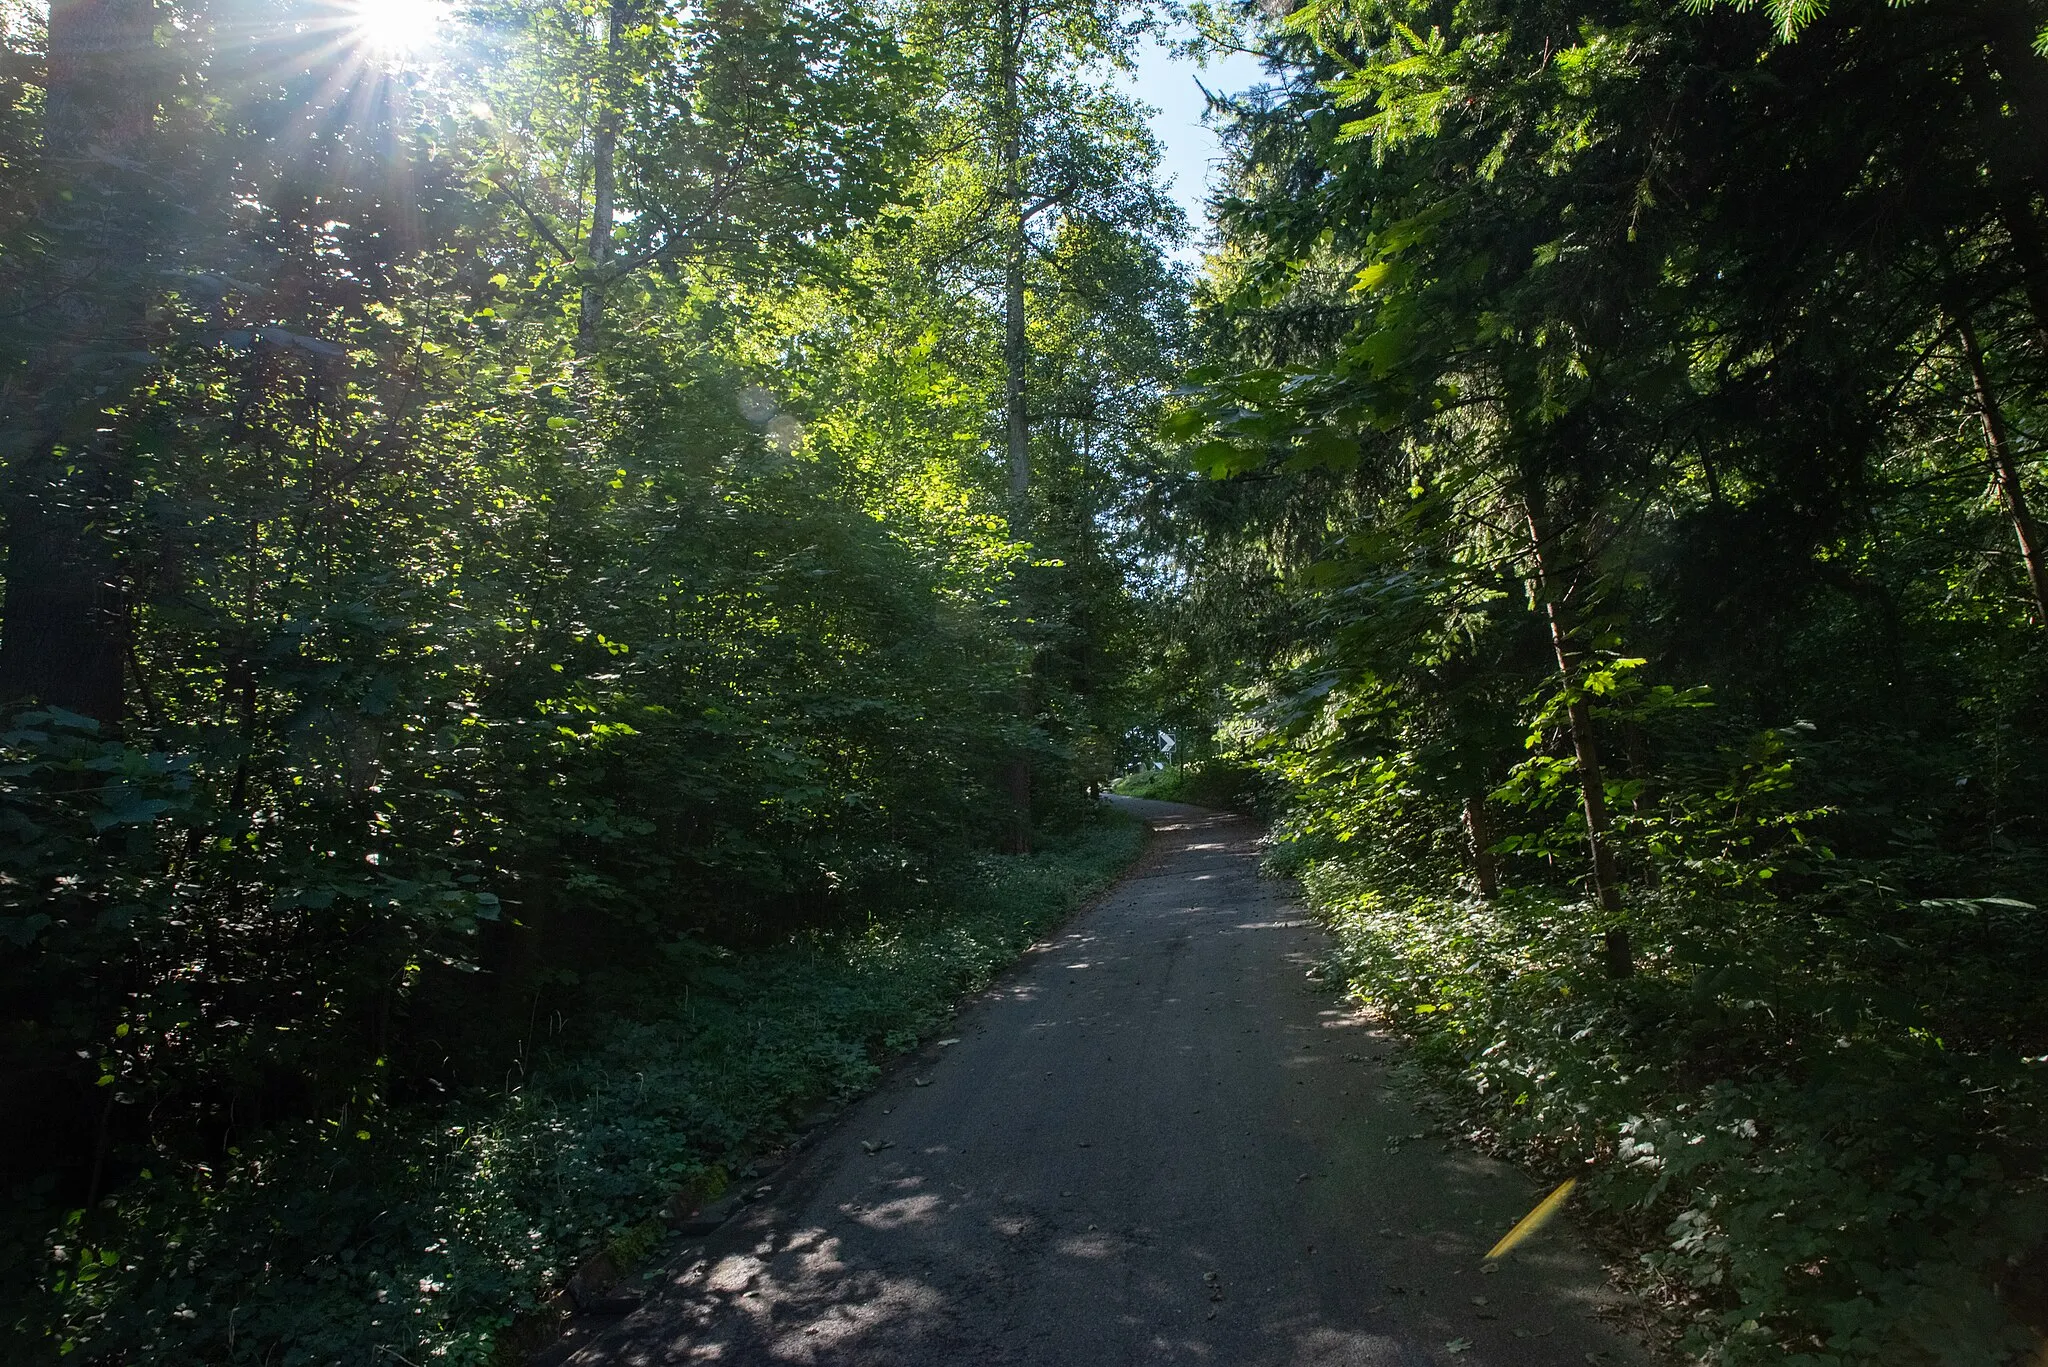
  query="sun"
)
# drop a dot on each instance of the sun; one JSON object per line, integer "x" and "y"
{"x": 395, "y": 26}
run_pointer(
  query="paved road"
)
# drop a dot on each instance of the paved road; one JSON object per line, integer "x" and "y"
{"x": 1155, "y": 1142}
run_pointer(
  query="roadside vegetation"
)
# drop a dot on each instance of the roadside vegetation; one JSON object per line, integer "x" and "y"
{"x": 444, "y": 1227}
{"x": 1620, "y": 557}
{"x": 566, "y": 579}
{"x": 568, "y": 568}
{"x": 1221, "y": 783}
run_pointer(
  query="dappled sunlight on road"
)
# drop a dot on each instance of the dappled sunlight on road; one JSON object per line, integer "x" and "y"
{"x": 1162, "y": 1141}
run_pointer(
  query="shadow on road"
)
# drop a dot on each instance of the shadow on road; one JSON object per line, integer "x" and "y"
{"x": 1160, "y": 1140}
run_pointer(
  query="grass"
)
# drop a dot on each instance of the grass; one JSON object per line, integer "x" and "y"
{"x": 427, "y": 1233}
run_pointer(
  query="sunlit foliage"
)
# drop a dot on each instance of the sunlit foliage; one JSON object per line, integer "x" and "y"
{"x": 503, "y": 538}
{"x": 1626, "y": 571}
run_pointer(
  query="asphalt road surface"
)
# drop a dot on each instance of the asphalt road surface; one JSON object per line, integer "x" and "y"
{"x": 1155, "y": 1141}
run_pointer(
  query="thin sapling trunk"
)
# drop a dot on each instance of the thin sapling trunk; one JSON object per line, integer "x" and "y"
{"x": 1620, "y": 954}
{"x": 1999, "y": 446}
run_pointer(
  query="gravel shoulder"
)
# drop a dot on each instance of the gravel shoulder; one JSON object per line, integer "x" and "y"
{"x": 1156, "y": 1140}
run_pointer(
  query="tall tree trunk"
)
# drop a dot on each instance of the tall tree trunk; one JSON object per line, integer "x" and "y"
{"x": 1620, "y": 954}
{"x": 2022, "y": 80}
{"x": 1479, "y": 834}
{"x": 2014, "y": 151}
{"x": 1016, "y": 358}
{"x": 98, "y": 94}
{"x": 2017, "y": 213}
{"x": 64, "y": 626}
{"x": 604, "y": 152}
{"x": 66, "y": 615}
{"x": 2007, "y": 472}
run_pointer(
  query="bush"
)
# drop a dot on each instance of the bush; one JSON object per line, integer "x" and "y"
{"x": 1817, "y": 1176}
{"x": 1225, "y": 783}
{"x": 425, "y": 1229}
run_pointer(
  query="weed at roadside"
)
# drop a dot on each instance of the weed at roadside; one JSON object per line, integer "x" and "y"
{"x": 424, "y": 1231}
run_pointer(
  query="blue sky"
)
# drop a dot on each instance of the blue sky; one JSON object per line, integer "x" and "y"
{"x": 1168, "y": 84}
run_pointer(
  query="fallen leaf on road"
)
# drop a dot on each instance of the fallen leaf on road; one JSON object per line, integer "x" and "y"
{"x": 876, "y": 1145}
{"x": 1533, "y": 1221}
{"x": 920, "y": 1082}
{"x": 1457, "y": 1345}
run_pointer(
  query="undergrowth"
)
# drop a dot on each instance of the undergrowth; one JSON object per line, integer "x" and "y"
{"x": 421, "y": 1233}
{"x": 1224, "y": 783}
{"x": 1815, "y": 1171}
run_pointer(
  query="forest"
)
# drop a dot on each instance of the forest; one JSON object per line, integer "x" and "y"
{"x": 572, "y": 569}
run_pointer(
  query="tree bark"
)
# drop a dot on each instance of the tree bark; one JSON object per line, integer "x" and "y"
{"x": 1016, "y": 358}
{"x": 64, "y": 626}
{"x": 66, "y": 614}
{"x": 1620, "y": 955}
{"x": 2005, "y": 469}
{"x": 1479, "y": 834}
{"x": 2023, "y": 80}
{"x": 604, "y": 151}
{"x": 96, "y": 96}
{"x": 2018, "y": 216}
{"x": 2016, "y": 166}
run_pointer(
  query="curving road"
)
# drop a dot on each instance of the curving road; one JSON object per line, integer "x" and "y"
{"x": 1155, "y": 1141}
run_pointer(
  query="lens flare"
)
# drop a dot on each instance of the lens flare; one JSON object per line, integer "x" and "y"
{"x": 395, "y": 26}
